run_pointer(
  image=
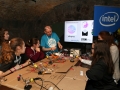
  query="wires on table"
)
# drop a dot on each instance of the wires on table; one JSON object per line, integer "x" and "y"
{"x": 27, "y": 82}
{"x": 43, "y": 82}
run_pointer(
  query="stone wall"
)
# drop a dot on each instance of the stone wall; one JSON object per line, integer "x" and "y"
{"x": 26, "y": 19}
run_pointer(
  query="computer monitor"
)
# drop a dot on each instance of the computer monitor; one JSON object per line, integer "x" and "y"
{"x": 78, "y": 31}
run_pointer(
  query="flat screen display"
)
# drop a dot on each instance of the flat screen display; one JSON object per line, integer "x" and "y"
{"x": 78, "y": 31}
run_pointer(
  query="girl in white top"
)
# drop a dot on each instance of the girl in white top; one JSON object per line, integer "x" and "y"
{"x": 104, "y": 35}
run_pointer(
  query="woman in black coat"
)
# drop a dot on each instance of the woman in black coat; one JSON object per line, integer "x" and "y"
{"x": 100, "y": 75}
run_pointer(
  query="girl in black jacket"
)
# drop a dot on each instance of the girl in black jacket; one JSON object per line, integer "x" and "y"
{"x": 100, "y": 75}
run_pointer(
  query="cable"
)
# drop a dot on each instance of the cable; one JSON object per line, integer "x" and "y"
{"x": 39, "y": 84}
{"x": 53, "y": 84}
{"x": 44, "y": 81}
{"x": 34, "y": 79}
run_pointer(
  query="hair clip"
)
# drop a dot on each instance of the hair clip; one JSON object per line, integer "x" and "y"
{"x": 9, "y": 42}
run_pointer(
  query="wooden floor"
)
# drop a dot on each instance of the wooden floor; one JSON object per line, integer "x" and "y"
{"x": 5, "y": 88}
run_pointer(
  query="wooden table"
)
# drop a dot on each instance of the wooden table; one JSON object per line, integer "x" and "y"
{"x": 65, "y": 76}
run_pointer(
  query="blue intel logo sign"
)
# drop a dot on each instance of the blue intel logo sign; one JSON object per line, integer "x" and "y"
{"x": 109, "y": 19}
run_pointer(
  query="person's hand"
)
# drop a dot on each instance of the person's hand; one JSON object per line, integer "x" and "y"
{"x": 80, "y": 58}
{"x": 17, "y": 67}
{"x": 53, "y": 48}
{"x": 37, "y": 49}
{"x": 1, "y": 73}
{"x": 60, "y": 46}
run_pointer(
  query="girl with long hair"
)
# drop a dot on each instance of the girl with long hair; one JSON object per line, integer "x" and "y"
{"x": 33, "y": 50}
{"x": 12, "y": 56}
{"x": 100, "y": 75}
{"x": 4, "y": 35}
{"x": 105, "y": 35}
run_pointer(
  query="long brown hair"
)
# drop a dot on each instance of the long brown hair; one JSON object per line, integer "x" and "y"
{"x": 8, "y": 49}
{"x": 31, "y": 42}
{"x": 102, "y": 51}
{"x": 6, "y": 53}
{"x": 16, "y": 42}
{"x": 2, "y": 32}
{"x": 105, "y": 35}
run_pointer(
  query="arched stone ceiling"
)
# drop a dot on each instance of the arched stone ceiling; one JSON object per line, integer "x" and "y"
{"x": 26, "y": 9}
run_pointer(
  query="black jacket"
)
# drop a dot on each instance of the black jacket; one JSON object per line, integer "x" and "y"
{"x": 6, "y": 66}
{"x": 100, "y": 78}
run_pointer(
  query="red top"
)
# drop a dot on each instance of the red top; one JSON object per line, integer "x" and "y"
{"x": 33, "y": 55}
